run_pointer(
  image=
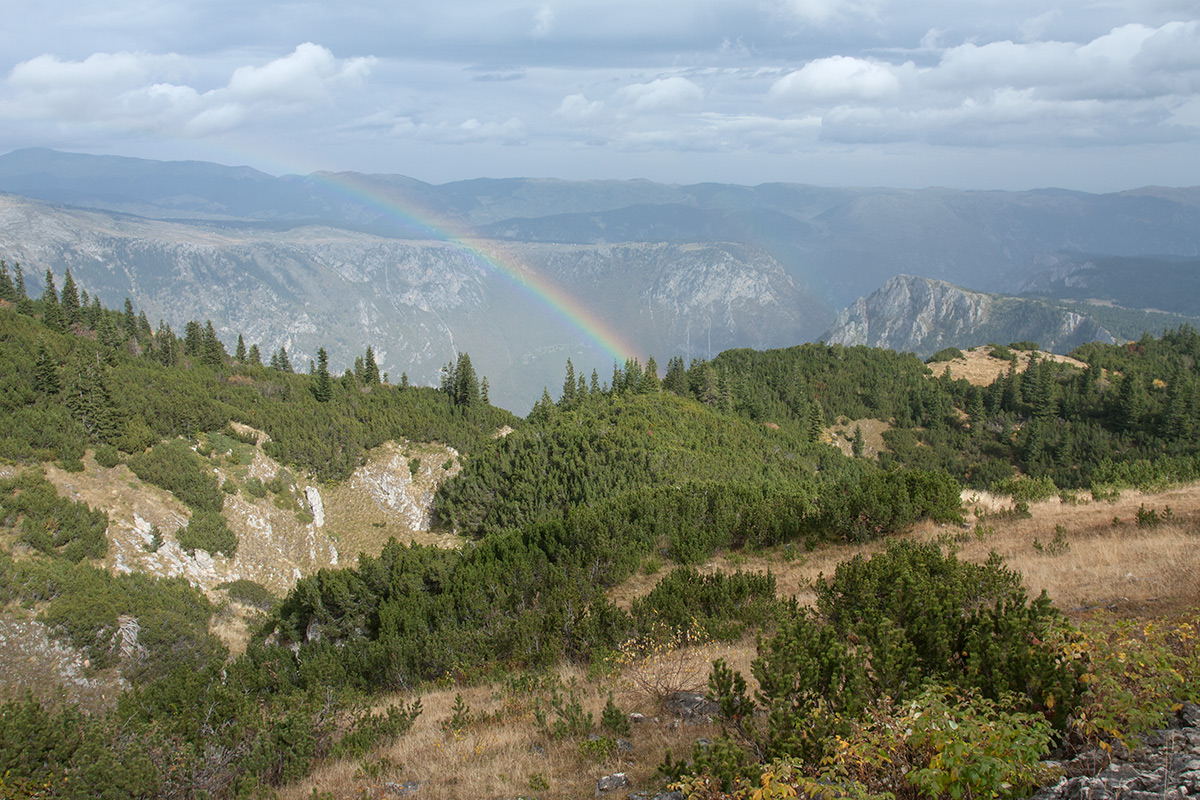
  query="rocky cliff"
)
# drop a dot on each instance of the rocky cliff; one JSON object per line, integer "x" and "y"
{"x": 923, "y": 316}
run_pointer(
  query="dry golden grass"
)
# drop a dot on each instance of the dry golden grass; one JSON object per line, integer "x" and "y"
{"x": 842, "y": 435}
{"x": 1133, "y": 571}
{"x": 979, "y": 368}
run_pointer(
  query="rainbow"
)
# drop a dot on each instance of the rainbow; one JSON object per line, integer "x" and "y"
{"x": 538, "y": 288}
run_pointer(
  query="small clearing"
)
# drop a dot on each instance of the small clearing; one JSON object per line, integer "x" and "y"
{"x": 980, "y": 368}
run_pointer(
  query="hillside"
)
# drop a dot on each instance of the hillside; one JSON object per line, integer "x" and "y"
{"x": 177, "y": 523}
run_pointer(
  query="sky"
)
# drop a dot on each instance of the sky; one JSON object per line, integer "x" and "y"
{"x": 983, "y": 94}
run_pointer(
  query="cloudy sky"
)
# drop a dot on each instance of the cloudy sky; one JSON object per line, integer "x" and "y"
{"x": 1003, "y": 94}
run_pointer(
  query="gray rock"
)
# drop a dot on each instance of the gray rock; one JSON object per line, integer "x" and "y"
{"x": 609, "y": 783}
{"x": 690, "y": 706}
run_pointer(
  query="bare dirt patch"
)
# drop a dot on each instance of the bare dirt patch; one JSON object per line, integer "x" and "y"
{"x": 842, "y": 435}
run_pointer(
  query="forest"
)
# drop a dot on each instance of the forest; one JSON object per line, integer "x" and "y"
{"x": 723, "y": 456}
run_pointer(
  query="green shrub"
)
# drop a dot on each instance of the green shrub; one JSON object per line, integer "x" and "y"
{"x": 50, "y": 523}
{"x": 207, "y": 530}
{"x": 254, "y": 488}
{"x": 945, "y": 354}
{"x": 173, "y": 466}
{"x": 249, "y": 592}
{"x": 107, "y": 456}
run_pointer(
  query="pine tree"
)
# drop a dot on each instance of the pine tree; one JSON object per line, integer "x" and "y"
{"x": 193, "y": 338}
{"x": 483, "y": 391}
{"x": 567, "y": 398}
{"x": 51, "y": 312}
{"x": 370, "y": 368}
{"x": 129, "y": 320}
{"x": 254, "y": 356}
{"x": 213, "y": 352}
{"x": 649, "y": 381}
{"x": 145, "y": 332}
{"x": 239, "y": 353}
{"x": 322, "y": 385}
{"x": 816, "y": 421}
{"x": 45, "y": 371}
{"x": 466, "y": 385}
{"x": 403, "y": 380}
{"x": 447, "y": 379}
{"x": 87, "y": 396}
{"x": 23, "y": 303}
{"x": 676, "y": 380}
{"x": 7, "y": 290}
{"x": 594, "y": 387}
{"x": 856, "y": 445}
{"x": 70, "y": 302}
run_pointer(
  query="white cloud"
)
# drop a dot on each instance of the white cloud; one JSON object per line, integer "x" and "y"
{"x": 663, "y": 94}
{"x": 137, "y": 92}
{"x": 577, "y": 108}
{"x": 824, "y": 12}
{"x": 307, "y": 75}
{"x": 543, "y": 21}
{"x": 838, "y": 78}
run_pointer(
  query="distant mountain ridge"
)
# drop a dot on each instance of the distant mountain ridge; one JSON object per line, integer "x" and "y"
{"x": 923, "y": 316}
{"x": 342, "y": 260}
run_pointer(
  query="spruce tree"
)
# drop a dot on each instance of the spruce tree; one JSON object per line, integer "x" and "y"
{"x": 676, "y": 380}
{"x": 213, "y": 352}
{"x": 567, "y": 398}
{"x": 856, "y": 446}
{"x": 594, "y": 387}
{"x": 253, "y": 356}
{"x": 70, "y": 302}
{"x": 239, "y": 353}
{"x": 7, "y": 290}
{"x": 648, "y": 383}
{"x": 466, "y": 384}
{"x": 129, "y": 320}
{"x": 87, "y": 396}
{"x": 51, "y": 312}
{"x": 483, "y": 391}
{"x": 45, "y": 371}
{"x": 370, "y": 368}
{"x": 322, "y": 386}
{"x": 23, "y": 303}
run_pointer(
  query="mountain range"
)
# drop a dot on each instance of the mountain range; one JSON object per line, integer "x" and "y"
{"x": 526, "y": 273}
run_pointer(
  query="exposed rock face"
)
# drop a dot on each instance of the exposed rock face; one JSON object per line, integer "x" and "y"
{"x": 1166, "y": 766}
{"x": 514, "y": 307}
{"x": 922, "y": 315}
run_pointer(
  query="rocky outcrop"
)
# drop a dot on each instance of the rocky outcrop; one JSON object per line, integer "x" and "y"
{"x": 1165, "y": 767}
{"x": 923, "y": 315}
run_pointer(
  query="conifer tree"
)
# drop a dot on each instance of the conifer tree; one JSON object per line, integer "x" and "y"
{"x": 70, "y": 302}
{"x": 676, "y": 380}
{"x": 51, "y": 312}
{"x": 370, "y": 368}
{"x": 403, "y": 380}
{"x": 87, "y": 396}
{"x": 45, "y": 371}
{"x": 7, "y": 290}
{"x": 93, "y": 312}
{"x": 816, "y": 421}
{"x": 483, "y": 391}
{"x": 648, "y": 384}
{"x": 567, "y": 398}
{"x": 466, "y": 384}
{"x": 856, "y": 445}
{"x": 239, "y": 353}
{"x": 23, "y": 303}
{"x": 213, "y": 352}
{"x": 129, "y": 320}
{"x": 594, "y": 387}
{"x": 322, "y": 386}
{"x": 144, "y": 332}
{"x": 253, "y": 356}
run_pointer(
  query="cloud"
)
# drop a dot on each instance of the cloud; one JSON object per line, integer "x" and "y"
{"x": 138, "y": 92}
{"x": 838, "y": 78}
{"x": 543, "y": 21}
{"x": 824, "y": 12}
{"x": 308, "y": 75}
{"x": 663, "y": 94}
{"x": 577, "y": 108}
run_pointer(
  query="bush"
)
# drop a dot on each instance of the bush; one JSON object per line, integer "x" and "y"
{"x": 946, "y": 354}
{"x": 107, "y": 456}
{"x": 249, "y": 592}
{"x": 173, "y": 466}
{"x": 207, "y": 530}
{"x": 885, "y": 627}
